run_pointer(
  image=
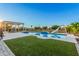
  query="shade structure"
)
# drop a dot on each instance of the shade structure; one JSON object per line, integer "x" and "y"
{"x": 11, "y": 26}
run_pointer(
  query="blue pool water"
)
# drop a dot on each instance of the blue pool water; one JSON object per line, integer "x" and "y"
{"x": 46, "y": 34}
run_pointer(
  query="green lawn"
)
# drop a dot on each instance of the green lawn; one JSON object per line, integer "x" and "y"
{"x": 34, "y": 46}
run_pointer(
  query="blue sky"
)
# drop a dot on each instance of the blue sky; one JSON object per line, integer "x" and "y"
{"x": 40, "y": 14}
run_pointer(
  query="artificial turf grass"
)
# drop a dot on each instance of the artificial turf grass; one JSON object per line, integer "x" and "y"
{"x": 33, "y": 46}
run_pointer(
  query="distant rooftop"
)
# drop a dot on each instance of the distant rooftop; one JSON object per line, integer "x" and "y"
{"x": 12, "y": 22}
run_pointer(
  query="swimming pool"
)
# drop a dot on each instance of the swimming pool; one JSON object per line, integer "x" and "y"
{"x": 46, "y": 34}
{"x": 57, "y": 36}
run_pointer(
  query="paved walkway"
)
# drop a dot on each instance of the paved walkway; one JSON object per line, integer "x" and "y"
{"x": 77, "y": 47}
{"x": 4, "y": 50}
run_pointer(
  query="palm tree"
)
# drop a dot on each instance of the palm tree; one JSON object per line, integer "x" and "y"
{"x": 31, "y": 27}
{"x": 75, "y": 24}
{"x": 73, "y": 27}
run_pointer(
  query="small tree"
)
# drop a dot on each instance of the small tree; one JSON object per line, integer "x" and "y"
{"x": 36, "y": 28}
{"x": 55, "y": 27}
{"x": 45, "y": 27}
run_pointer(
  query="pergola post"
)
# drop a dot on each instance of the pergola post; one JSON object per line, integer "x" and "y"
{"x": 11, "y": 27}
{"x": 18, "y": 27}
{"x": 15, "y": 27}
{"x": 5, "y": 27}
{"x": 23, "y": 27}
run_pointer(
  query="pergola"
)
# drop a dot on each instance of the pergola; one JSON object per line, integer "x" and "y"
{"x": 13, "y": 26}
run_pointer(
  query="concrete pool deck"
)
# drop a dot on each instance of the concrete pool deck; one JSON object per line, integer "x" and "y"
{"x": 8, "y": 36}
